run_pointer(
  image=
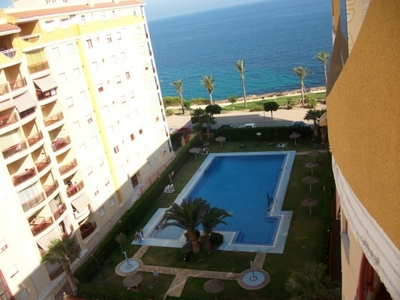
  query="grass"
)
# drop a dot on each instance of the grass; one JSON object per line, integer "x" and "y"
{"x": 303, "y": 243}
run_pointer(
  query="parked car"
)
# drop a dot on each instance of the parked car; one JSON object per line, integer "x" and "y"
{"x": 298, "y": 124}
{"x": 225, "y": 126}
{"x": 184, "y": 130}
{"x": 248, "y": 125}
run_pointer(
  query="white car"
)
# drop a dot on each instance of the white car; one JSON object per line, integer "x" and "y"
{"x": 248, "y": 125}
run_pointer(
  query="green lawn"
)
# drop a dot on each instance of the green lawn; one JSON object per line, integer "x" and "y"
{"x": 303, "y": 243}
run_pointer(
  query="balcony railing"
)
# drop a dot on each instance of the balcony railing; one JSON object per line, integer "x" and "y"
{"x": 31, "y": 38}
{"x": 47, "y": 94}
{"x": 4, "y": 89}
{"x": 40, "y": 165}
{"x": 57, "y": 272}
{"x": 41, "y": 66}
{"x": 10, "y": 151}
{"x": 65, "y": 233}
{"x": 53, "y": 119}
{"x": 9, "y": 52}
{"x": 8, "y": 120}
{"x": 87, "y": 229}
{"x": 58, "y": 213}
{"x": 27, "y": 112}
{"x": 24, "y": 176}
{"x": 33, "y": 139}
{"x": 73, "y": 189}
{"x": 27, "y": 205}
{"x": 39, "y": 224}
{"x": 49, "y": 189}
{"x": 60, "y": 143}
{"x": 68, "y": 167}
{"x": 17, "y": 83}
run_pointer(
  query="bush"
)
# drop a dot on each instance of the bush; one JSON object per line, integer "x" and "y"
{"x": 257, "y": 108}
{"x": 291, "y": 103}
{"x": 216, "y": 239}
{"x": 312, "y": 103}
{"x": 168, "y": 112}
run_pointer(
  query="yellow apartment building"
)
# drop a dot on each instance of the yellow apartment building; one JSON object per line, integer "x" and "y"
{"x": 82, "y": 131}
{"x": 364, "y": 133}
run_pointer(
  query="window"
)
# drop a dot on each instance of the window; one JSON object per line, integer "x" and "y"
{"x": 106, "y": 181}
{"x": 123, "y": 56}
{"x": 148, "y": 166}
{"x": 134, "y": 12}
{"x": 128, "y": 75}
{"x": 49, "y": 25}
{"x": 123, "y": 100}
{"x": 109, "y": 39}
{"x": 102, "y": 212}
{"x": 100, "y": 161}
{"x": 114, "y": 59}
{"x": 157, "y": 118}
{"x": 77, "y": 73}
{"x": 112, "y": 201}
{"x": 119, "y": 36}
{"x": 118, "y": 79}
{"x": 82, "y": 96}
{"x": 136, "y": 113}
{"x": 13, "y": 270}
{"x": 83, "y": 20}
{"x": 95, "y": 66}
{"x": 55, "y": 52}
{"x": 89, "y": 43}
{"x": 103, "y": 17}
{"x": 95, "y": 140}
{"x": 116, "y": 149}
{"x": 89, "y": 118}
{"x": 76, "y": 126}
{"x": 138, "y": 31}
{"x": 132, "y": 94}
{"x": 128, "y": 118}
{"x": 110, "y": 129}
{"x": 141, "y": 131}
{"x": 114, "y": 15}
{"x": 3, "y": 246}
{"x": 142, "y": 49}
{"x": 105, "y": 109}
{"x": 65, "y": 23}
{"x": 70, "y": 49}
{"x": 100, "y": 88}
{"x": 96, "y": 191}
{"x": 132, "y": 136}
{"x": 89, "y": 170}
{"x": 82, "y": 148}
{"x": 62, "y": 78}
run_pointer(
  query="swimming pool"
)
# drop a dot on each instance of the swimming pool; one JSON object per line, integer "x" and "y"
{"x": 252, "y": 187}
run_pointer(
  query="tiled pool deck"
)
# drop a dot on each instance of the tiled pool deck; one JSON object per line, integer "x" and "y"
{"x": 173, "y": 236}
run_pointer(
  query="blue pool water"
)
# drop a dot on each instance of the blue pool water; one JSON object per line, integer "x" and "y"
{"x": 241, "y": 185}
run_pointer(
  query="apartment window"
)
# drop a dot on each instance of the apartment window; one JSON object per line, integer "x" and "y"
{"x": 96, "y": 191}
{"x": 148, "y": 166}
{"x": 95, "y": 140}
{"x": 82, "y": 148}
{"x": 141, "y": 131}
{"x": 106, "y": 181}
{"x": 109, "y": 39}
{"x": 95, "y": 66}
{"x": 134, "y": 12}
{"x": 13, "y": 270}
{"x": 89, "y": 118}
{"x": 132, "y": 137}
{"x": 142, "y": 49}
{"x": 114, "y": 15}
{"x": 123, "y": 56}
{"x": 132, "y": 94}
{"x": 118, "y": 79}
{"x": 114, "y": 59}
{"x": 100, "y": 88}
{"x": 83, "y": 20}
{"x": 77, "y": 73}
{"x": 82, "y": 96}
{"x": 128, "y": 118}
{"x": 89, "y": 170}
{"x": 157, "y": 118}
{"x": 102, "y": 212}
{"x": 70, "y": 49}
{"x": 123, "y": 100}
{"x": 49, "y": 25}
{"x": 111, "y": 130}
{"x": 89, "y": 43}
{"x": 128, "y": 75}
{"x": 55, "y": 52}
{"x": 76, "y": 126}
{"x": 138, "y": 31}
{"x": 100, "y": 161}
{"x": 65, "y": 23}
{"x": 116, "y": 149}
{"x": 105, "y": 109}
{"x": 3, "y": 246}
{"x": 112, "y": 201}
{"x": 119, "y": 36}
{"x": 103, "y": 17}
{"x": 136, "y": 113}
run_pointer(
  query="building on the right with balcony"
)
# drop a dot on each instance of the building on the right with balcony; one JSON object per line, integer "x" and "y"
{"x": 364, "y": 133}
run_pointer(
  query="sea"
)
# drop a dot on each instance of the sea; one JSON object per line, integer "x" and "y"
{"x": 271, "y": 37}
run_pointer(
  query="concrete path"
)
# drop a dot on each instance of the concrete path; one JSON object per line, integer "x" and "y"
{"x": 181, "y": 275}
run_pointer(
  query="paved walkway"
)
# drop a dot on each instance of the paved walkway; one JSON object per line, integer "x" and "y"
{"x": 181, "y": 275}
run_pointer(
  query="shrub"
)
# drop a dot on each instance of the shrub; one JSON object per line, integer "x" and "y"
{"x": 216, "y": 239}
{"x": 312, "y": 103}
{"x": 291, "y": 103}
{"x": 257, "y": 108}
{"x": 168, "y": 112}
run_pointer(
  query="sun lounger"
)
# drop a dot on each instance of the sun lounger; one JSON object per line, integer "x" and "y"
{"x": 169, "y": 189}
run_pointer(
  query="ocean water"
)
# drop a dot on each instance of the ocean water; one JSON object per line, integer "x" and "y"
{"x": 271, "y": 36}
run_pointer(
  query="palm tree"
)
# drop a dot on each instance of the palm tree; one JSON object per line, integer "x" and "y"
{"x": 60, "y": 252}
{"x": 232, "y": 99}
{"x": 314, "y": 114}
{"x": 120, "y": 239}
{"x": 178, "y": 86}
{"x": 208, "y": 83}
{"x": 323, "y": 56}
{"x": 211, "y": 220}
{"x": 240, "y": 67}
{"x": 302, "y": 73}
{"x": 311, "y": 283}
{"x": 188, "y": 216}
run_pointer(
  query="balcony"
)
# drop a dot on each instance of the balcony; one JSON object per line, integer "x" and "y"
{"x": 46, "y": 95}
{"x": 17, "y": 84}
{"x": 8, "y": 120}
{"x": 39, "y": 224}
{"x": 68, "y": 167}
{"x": 50, "y": 189}
{"x": 87, "y": 229}
{"x": 10, "y": 53}
{"x": 38, "y": 67}
{"x": 41, "y": 165}
{"x": 53, "y": 119}
{"x": 60, "y": 143}
{"x": 75, "y": 188}
{"x": 31, "y": 38}
{"x": 24, "y": 176}
{"x": 10, "y": 151}
{"x": 33, "y": 139}
{"x": 27, "y": 205}
{"x": 58, "y": 213}
{"x": 4, "y": 89}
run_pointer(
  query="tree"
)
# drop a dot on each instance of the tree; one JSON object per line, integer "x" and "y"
{"x": 188, "y": 216}
{"x": 240, "y": 67}
{"x": 323, "y": 57}
{"x": 208, "y": 83}
{"x": 271, "y": 106}
{"x": 314, "y": 114}
{"x": 232, "y": 99}
{"x": 211, "y": 220}
{"x": 59, "y": 252}
{"x": 179, "y": 89}
{"x": 197, "y": 118}
{"x": 120, "y": 239}
{"x": 302, "y": 73}
{"x": 312, "y": 283}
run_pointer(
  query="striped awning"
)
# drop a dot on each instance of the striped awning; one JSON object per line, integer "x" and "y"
{"x": 24, "y": 102}
{"x": 81, "y": 202}
{"x": 6, "y": 104}
{"x": 45, "y": 241}
{"x": 46, "y": 83}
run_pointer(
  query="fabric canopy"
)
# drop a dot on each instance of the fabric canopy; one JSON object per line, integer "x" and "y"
{"x": 24, "y": 102}
{"x": 46, "y": 83}
{"x": 6, "y": 104}
{"x": 45, "y": 241}
{"x": 81, "y": 202}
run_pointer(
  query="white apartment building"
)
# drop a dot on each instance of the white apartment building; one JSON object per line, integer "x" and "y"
{"x": 82, "y": 127}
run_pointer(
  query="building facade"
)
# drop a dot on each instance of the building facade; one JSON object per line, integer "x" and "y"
{"x": 82, "y": 128}
{"x": 363, "y": 126}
